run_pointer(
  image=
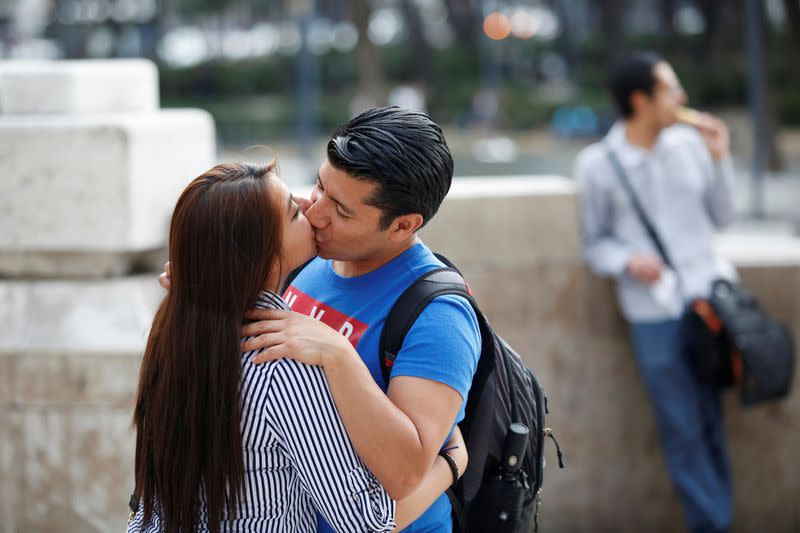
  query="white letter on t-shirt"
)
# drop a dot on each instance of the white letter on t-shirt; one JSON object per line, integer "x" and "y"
{"x": 346, "y": 330}
{"x": 291, "y": 298}
{"x": 313, "y": 314}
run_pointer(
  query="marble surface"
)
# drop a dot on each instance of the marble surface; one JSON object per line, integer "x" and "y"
{"x": 78, "y": 86}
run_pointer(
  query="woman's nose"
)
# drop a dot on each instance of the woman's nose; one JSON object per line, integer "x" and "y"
{"x": 302, "y": 203}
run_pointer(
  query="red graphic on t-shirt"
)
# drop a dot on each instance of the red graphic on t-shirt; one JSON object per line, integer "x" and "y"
{"x": 302, "y": 303}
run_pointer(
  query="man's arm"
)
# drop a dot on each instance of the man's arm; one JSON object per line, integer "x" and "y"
{"x": 604, "y": 253}
{"x": 437, "y": 480}
{"x": 398, "y": 434}
{"x": 719, "y": 191}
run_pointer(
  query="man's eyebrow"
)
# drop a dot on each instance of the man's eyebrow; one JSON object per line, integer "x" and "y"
{"x": 337, "y": 202}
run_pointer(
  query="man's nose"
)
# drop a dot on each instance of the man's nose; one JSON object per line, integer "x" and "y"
{"x": 313, "y": 213}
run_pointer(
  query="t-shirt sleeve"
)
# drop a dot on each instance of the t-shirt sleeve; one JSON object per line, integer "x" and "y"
{"x": 443, "y": 345}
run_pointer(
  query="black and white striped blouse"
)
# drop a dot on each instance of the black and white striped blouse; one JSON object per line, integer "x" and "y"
{"x": 297, "y": 457}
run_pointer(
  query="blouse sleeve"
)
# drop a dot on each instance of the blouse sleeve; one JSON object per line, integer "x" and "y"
{"x": 304, "y": 417}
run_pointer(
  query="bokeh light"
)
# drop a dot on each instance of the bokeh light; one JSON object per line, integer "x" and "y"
{"x": 496, "y": 26}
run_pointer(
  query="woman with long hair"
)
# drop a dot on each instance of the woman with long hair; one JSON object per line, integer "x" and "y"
{"x": 223, "y": 444}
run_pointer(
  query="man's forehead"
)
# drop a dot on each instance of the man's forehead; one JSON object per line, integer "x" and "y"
{"x": 664, "y": 73}
{"x": 349, "y": 188}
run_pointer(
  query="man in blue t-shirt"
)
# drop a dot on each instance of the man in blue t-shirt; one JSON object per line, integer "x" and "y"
{"x": 385, "y": 175}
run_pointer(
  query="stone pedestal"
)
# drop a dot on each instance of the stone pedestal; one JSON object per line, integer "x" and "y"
{"x": 91, "y": 170}
{"x": 89, "y": 189}
{"x": 78, "y": 87}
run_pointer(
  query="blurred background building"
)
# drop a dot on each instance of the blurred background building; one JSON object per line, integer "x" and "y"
{"x": 518, "y": 84}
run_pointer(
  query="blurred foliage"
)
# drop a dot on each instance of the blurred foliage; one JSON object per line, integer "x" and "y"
{"x": 255, "y": 100}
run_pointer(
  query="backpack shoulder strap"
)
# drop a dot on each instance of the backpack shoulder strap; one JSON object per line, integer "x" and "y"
{"x": 641, "y": 214}
{"x": 293, "y": 274}
{"x": 437, "y": 282}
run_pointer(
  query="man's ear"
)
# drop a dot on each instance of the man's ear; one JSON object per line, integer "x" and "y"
{"x": 639, "y": 101}
{"x": 404, "y": 226}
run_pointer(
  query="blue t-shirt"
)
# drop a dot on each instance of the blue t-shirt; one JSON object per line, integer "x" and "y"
{"x": 443, "y": 344}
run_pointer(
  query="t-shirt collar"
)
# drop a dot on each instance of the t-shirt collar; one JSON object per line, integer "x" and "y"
{"x": 629, "y": 155}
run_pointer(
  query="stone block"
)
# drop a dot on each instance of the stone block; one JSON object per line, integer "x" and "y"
{"x": 759, "y": 250}
{"x": 102, "y": 483}
{"x": 103, "y": 184}
{"x": 777, "y": 289}
{"x": 104, "y": 317}
{"x": 82, "y": 86}
{"x": 75, "y": 470}
{"x": 60, "y": 380}
{"x": 761, "y": 466}
{"x": 541, "y": 293}
{"x": 604, "y": 317}
{"x": 43, "y": 483}
{"x": 7, "y": 371}
{"x": 508, "y": 221}
{"x": 9, "y": 461}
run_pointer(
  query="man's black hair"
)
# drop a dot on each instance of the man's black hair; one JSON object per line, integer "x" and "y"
{"x": 401, "y": 150}
{"x": 634, "y": 73}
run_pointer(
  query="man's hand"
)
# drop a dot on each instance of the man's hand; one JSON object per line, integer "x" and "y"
{"x": 163, "y": 279}
{"x": 646, "y": 268}
{"x": 286, "y": 334}
{"x": 715, "y": 134}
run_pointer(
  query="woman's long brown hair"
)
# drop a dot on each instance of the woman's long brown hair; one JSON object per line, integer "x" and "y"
{"x": 224, "y": 240}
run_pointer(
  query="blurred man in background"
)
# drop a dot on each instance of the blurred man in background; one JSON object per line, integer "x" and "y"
{"x": 681, "y": 177}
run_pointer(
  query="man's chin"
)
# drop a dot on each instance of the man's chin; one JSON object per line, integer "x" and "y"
{"x": 323, "y": 254}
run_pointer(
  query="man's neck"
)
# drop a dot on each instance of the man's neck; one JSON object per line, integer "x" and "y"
{"x": 638, "y": 132}
{"x": 350, "y": 269}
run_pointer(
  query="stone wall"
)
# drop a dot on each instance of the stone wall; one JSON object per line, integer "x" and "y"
{"x": 70, "y": 351}
{"x": 90, "y": 170}
{"x": 518, "y": 244}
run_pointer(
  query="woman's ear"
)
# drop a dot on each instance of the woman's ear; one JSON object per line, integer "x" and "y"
{"x": 405, "y": 226}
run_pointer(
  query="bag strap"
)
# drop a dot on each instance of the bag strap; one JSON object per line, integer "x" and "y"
{"x": 438, "y": 282}
{"x": 410, "y": 304}
{"x": 293, "y": 274}
{"x": 405, "y": 311}
{"x": 637, "y": 206}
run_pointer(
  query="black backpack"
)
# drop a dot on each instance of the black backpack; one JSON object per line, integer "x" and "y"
{"x": 503, "y": 421}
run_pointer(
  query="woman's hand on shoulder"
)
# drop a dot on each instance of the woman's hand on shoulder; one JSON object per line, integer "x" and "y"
{"x": 280, "y": 334}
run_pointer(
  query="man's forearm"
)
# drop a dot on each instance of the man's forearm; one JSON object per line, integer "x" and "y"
{"x": 437, "y": 480}
{"x": 720, "y": 194}
{"x": 384, "y": 437}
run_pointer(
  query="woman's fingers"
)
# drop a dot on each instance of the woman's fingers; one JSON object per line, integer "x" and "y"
{"x": 261, "y": 327}
{"x": 267, "y": 314}
{"x": 263, "y": 341}
{"x": 270, "y": 354}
